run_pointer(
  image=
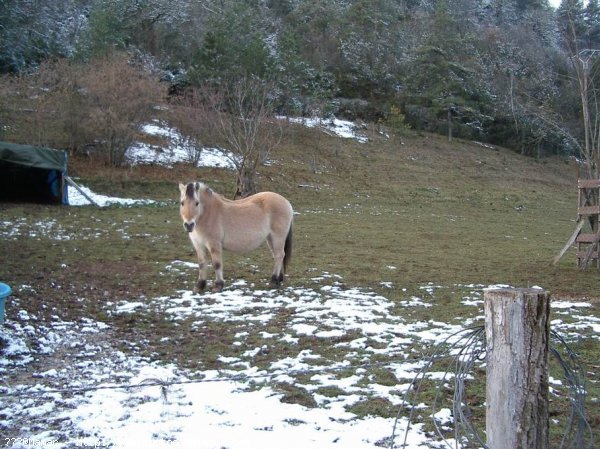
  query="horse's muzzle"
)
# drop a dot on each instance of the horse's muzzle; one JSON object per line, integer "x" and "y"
{"x": 189, "y": 227}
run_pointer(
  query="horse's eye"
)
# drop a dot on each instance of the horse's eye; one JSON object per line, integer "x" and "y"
{"x": 182, "y": 203}
{"x": 197, "y": 203}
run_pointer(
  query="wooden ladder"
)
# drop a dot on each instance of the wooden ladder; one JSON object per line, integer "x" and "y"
{"x": 588, "y": 209}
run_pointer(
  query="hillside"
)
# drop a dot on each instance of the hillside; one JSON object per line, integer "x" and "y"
{"x": 502, "y": 71}
{"x": 438, "y": 211}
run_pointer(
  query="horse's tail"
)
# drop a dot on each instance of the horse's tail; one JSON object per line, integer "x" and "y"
{"x": 287, "y": 249}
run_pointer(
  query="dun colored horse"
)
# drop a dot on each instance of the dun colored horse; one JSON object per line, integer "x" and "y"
{"x": 215, "y": 223}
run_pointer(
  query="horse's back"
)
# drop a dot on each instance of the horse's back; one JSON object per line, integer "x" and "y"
{"x": 274, "y": 203}
{"x": 262, "y": 205}
{"x": 249, "y": 221}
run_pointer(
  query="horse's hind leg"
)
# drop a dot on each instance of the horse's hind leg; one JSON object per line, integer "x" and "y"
{"x": 216, "y": 254}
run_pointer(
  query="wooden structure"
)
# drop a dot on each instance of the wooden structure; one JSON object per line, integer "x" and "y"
{"x": 517, "y": 327}
{"x": 587, "y": 238}
{"x": 588, "y": 210}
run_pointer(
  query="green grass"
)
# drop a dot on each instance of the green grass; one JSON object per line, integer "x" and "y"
{"x": 374, "y": 407}
{"x": 408, "y": 211}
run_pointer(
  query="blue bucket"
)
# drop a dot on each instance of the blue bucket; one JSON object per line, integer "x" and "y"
{"x": 4, "y": 293}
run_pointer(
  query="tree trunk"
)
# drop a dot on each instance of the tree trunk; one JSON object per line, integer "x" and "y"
{"x": 517, "y": 330}
{"x": 245, "y": 183}
{"x": 449, "y": 124}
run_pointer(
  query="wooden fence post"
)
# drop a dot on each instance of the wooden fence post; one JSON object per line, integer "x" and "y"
{"x": 517, "y": 334}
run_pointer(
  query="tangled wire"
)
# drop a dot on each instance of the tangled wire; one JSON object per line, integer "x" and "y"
{"x": 465, "y": 353}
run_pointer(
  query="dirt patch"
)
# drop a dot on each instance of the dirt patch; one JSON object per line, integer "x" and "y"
{"x": 83, "y": 289}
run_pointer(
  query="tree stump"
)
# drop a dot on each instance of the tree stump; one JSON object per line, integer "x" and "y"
{"x": 517, "y": 334}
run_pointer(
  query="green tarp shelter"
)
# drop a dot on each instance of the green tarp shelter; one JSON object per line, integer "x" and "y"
{"x": 33, "y": 174}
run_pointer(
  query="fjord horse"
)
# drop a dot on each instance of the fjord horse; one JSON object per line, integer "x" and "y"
{"x": 215, "y": 223}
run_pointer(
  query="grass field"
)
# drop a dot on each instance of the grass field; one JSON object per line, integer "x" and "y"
{"x": 440, "y": 212}
{"x": 392, "y": 216}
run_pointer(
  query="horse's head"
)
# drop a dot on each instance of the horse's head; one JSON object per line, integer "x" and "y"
{"x": 191, "y": 203}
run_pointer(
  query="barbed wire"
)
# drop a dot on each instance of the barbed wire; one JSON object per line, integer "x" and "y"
{"x": 472, "y": 349}
{"x": 577, "y": 425}
{"x": 416, "y": 385}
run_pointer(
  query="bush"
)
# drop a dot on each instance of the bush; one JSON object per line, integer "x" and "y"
{"x": 73, "y": 106}
{"x": 397, "y": 120}
{"x": 120, "y": 98}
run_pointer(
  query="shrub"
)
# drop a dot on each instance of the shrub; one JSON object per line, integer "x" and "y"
{"x": 73, "y": 106}
{"x": 120, "y": 98}
{"x": 397, "y": 120}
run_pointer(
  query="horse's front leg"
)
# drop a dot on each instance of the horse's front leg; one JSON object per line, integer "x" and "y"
{"x": 200, "y": 252}
{"x": 278, "y": 253}
{"x": 216, "y": 254}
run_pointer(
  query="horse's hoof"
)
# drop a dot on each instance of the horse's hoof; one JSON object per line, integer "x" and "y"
{"x": 275, "y": 281}
{"x": 218, "y": 287}
{"x": 200, "y": 286}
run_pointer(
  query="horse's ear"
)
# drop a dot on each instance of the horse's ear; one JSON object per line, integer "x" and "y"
{"x": 182, "y": 187}
{"x": 197, "y": 186}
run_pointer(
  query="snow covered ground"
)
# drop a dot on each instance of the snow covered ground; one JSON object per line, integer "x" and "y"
{"x": 77, "y": 199}
{"x": 205, "y": 409}
{"x": 176, "y": 150}
{"x": 96, "y": 395}
{"x": 335, "y": 126}
{"x": 90, "y": 393}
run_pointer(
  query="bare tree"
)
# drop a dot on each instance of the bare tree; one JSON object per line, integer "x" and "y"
{"x": 583, "y": 63}
{"x": 242, "y": 118}
{"x": 582, "y": 59}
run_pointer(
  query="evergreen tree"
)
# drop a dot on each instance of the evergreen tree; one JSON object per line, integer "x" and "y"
{"x": 592, "y": 21}
{"x": 369, "y": 46}
{"x": 316, "y": 23}
{"x": 296, "y": 79}
{"x": 503, "y": 12}
{"x": 32, "y": 31}
{"x": 571, "y": 22}
{"x": 234, "y": 46}
{"x": 529, "y": 5}
{"x": 148, "y": 25}
{"x": 443, "y": 84}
